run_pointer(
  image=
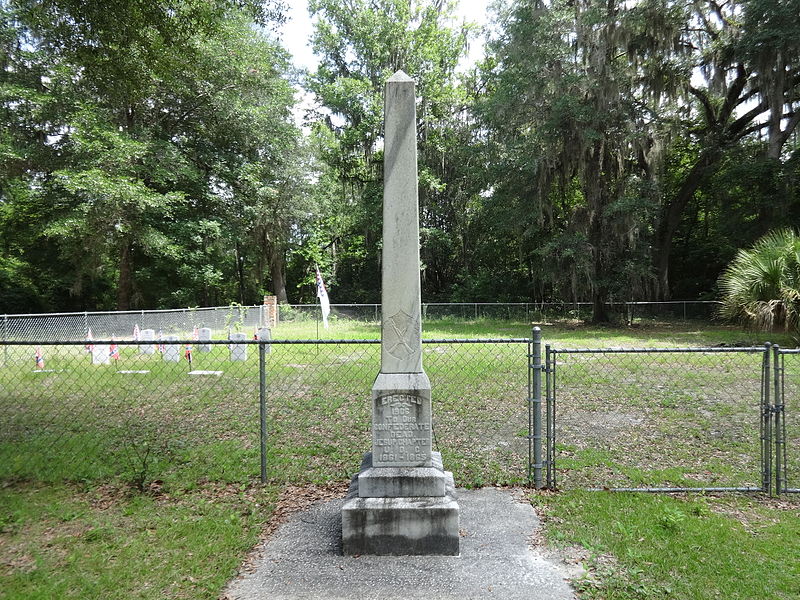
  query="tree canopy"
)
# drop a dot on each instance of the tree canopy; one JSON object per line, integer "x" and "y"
{"x": 149, "y": 155}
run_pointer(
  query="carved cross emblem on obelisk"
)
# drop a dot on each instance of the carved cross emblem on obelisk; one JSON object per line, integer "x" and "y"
{"x": 399, "y": 335}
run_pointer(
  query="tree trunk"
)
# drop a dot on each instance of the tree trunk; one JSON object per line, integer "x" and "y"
{"x": 599, "y": 291}
{"x": 672, "y": 214}
{"x": 125, "y": 281}
{"x": 276, "y": 267}
{"x": 239, "y": 272}
{"x": 600, "y": 306}
{"x": 597, "y": 186}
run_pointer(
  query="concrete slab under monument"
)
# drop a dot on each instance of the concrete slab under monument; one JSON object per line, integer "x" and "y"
{"x": 303, "y": 560}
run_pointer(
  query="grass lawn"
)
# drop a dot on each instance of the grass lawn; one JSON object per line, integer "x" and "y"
{"x": 656, "y": 546}
{"x": 146, "y": 485}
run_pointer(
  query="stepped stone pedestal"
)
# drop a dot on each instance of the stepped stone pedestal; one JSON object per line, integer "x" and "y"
{"x": 401, "y": 525}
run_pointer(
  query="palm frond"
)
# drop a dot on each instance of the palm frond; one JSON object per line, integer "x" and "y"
{"x": 761, "y": 285}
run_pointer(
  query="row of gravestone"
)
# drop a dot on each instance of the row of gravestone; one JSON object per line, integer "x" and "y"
{"x": 170, "y": 352}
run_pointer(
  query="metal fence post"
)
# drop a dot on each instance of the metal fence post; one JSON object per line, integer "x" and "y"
{"x": 529, "y": 369}
{"x": 779, "y": 422}
{"x": 766, "y": 423}
{"x": 550, "y": 415}
{"x": 262, "y": 402}
{"x": 5, "y": 339}
{"x": 535, "y": 406}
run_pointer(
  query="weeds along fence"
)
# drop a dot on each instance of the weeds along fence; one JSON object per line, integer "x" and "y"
{"x": 510, "y": 411}
{"x": 182, "y": 322}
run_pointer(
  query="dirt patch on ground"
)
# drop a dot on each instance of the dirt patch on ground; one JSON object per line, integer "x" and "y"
{"x": 44, "y": 538}
{"x": 606, "y": 425}
{"x": 750, "y": 512}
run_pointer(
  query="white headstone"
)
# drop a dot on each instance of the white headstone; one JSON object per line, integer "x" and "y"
{"x": 101, "y": 354}
{"x": 147, "y": 335}
{"x": 265, "y": 334}
{"x": 238, "y": 351}
{"x": 172, "y": 352}
{"x": 203, "y": 335}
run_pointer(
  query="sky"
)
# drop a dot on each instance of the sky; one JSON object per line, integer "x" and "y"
{"x": 295, "y": 34}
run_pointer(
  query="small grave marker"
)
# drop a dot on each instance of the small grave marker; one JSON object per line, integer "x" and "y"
{"x": 172, "y": 352}
{"x": 101, "y": 354}
{"x": 204, "y": 335}
{"x": 147, "y": 335}
{"x": 265, "y": 333}
{"x": 238, "y": 351}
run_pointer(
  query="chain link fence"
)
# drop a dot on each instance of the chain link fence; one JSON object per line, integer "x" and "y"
{"x": 654, "y": 419}
{"x": 296, "y": 410}
{"x": 223, "y": 319}
{"x": 628, "y": 312}
{"x": 121, "y": 324}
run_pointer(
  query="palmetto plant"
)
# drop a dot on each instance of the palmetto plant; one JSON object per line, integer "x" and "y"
{"x": 761, "y": 286}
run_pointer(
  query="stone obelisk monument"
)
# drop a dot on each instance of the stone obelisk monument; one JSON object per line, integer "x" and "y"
{"x": 402, "y": 501}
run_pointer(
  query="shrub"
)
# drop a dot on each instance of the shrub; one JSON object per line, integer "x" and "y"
{"x": 761, "y": 286}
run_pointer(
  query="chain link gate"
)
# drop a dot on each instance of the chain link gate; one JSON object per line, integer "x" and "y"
{"x": 786, "y": 407}
{"x": 630, "y": 419}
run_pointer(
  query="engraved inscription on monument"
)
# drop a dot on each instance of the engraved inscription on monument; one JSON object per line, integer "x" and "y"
{"x": 401, "y": 433}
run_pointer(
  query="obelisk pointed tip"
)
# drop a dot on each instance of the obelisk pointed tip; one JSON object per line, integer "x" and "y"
{"x": 399, "y": 77}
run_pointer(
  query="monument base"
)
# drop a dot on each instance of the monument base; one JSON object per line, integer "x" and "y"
{"x": 397, "y": 526}
{"x": 400, "y": 482}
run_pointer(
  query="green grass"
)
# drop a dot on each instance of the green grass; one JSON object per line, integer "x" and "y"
{"x": 639, "y": 546}
{"x": 146, "y": 486}
{"x": 64, "y": 541}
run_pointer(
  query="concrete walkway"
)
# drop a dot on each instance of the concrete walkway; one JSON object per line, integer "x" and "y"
{"x": 303, "y": 559}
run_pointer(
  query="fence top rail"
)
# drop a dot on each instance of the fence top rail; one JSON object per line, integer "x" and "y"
{"x": 128, "y": 312}
{"x": 678, "y": 490}
{"x": 197, "y": 309}
{"x": 788, "y": 350}
{"x": 255, "y": 342}
{"x": 750, "y": 350}
{"x": 531, "y": 303}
